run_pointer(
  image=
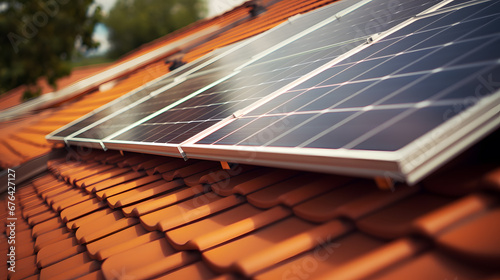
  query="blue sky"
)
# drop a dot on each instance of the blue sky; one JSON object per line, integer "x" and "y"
{"x": 100, "y": 31}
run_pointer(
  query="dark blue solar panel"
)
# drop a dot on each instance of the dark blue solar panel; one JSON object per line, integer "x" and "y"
{"x": 153, "y": 104}
{"x": 243, "y": 52}
{"x": 274, "y": 71}
{"x": 386, "y": 95}
{"x": 121, "y": 103}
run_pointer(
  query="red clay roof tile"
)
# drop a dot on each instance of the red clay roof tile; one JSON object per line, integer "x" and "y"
{"x": 41, "y": 217}
{"x": 377, "y": 260}
{"x": 125, "y": 262}
{"x": 190, "y": 170}
{"x": 308, "y": 225}
{"x": 178, "y": 211}
{"x": 465, "y": 179}
{"x": 172, "y": 165}
{"x": 371, "y": 202}
{"x": 116, "y": 181}
{"x": 434, "y": 265}
{"x": 396, "y": 220}
{"x": 492, "y": 180}
{"x": 58, "y": 251}
{"x": 270, "y": 196}
{"x": 81, "y": 209}
{"x": 129, "y": 244}
{"x": 144, "y": 191}
{"x": 78, "y": 271}
{"x": 52, "y": 237}
{"x": 447, "y": 216}
{"x": 115, "y": 239}
{"x": 323, "y": 208}
{"x": 190, "y": 215}
{"x": 122, "y": 184}
{"x": 292, "y": 246}
{"x": 163, "y": 201}
{"x": 87, "y": 218}
{"x": 195, "y": 271}
{"x": 323, "y": 258}
{"x": 193, "y": 236}
{"x": 79, "y": 265}
{"x": 88, "y": 182}
{"x": 46, "y": 226}
{"x": 24, "y": 267}
{"x": 103, "y": 226}
{"x": 165, "y": 265}
{"x": 77, "y": 198}
{"x": 475, "y": 240}
{"x": 225, "y": 257}
{"x": 96, "y": 275}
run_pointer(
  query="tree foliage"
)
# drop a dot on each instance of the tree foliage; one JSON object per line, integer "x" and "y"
{"x": 135, "y": 22}
{"x": 38, "y": 38}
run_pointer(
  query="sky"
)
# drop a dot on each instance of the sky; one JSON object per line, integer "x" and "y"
{"x": 215, "y": 7}
{"x": 101, "y": 32}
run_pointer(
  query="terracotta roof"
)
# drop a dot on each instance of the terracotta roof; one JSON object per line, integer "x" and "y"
{"x": 24, "y": 139}
{"x": 14, "y": 96}
{"x": 142, "y": 216}
{"x": 108, "y": 215}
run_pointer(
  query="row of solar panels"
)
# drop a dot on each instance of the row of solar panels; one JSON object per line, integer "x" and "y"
{"x": 370, "y": 88}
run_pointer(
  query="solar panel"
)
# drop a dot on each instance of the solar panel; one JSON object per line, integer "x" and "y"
{"x": 265, "y": 75}
{"x": 122, "y": 103}
{"x": 111, "y": 121}
{"x": 370, "y": 88}
{"x": 422, "y": 77}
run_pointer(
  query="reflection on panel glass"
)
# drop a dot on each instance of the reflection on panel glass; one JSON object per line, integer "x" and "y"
{"x": 121, "y": 104}
{"x": 151, "y": 105}
{"x": 388, "y": 94}
{"x": 276, "y": 69}
{"x": 234, "y": 57}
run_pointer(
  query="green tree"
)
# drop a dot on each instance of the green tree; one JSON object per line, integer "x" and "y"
{"x": 38, "y": 38}
{"x": 135, "y": 22}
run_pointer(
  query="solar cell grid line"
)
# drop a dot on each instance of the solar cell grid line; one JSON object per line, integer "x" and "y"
{"x": 293, "y": 28}
{"x": 455, "y": 3}
{"x": 149, "y": 106}
{"x": 123, "y": 101}
{"x": 370, "y": 19}
{"x": 348, "y": 108}
{"x": 266, "y": 75}
{"x": 357, "y": 87}
{"x": 287, "y": 31}
{"x": 231, "y": 57}
{"x": 113, "y": 121}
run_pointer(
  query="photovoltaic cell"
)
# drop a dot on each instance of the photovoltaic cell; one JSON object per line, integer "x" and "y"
{"x": 120, "y": 104}
{"x": 272, "y": 95}
{"x": 118, "y": 116}
{"x": 271, "y": 72}
{"x": 386, "y": 95}
{"x": 150, "y": 106}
